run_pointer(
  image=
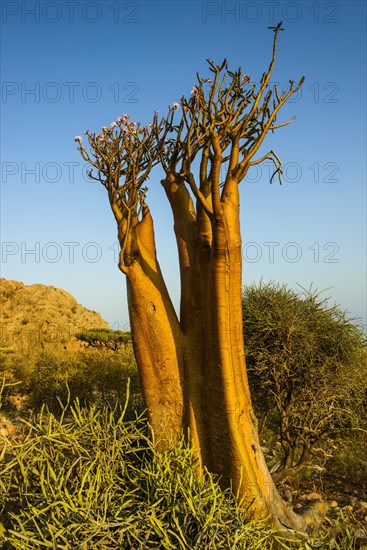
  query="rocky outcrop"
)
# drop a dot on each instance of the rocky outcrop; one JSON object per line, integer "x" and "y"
{"x": 36, "y": 317}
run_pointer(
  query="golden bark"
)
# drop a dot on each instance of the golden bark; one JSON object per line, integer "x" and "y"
{"x": 156, "y": 333}
{"x": 191, "y": 313}
{"x": 236, "y": 452}
{"x": 192, "y": 368}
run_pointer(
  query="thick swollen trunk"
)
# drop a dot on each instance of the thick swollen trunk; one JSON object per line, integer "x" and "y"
{"x": 193, "y": 372}
{"x": 192, "y": 276}
{"x": 236, "y": 453}
{"x": 156, "y": 334}
{"x": 157, "y": 347}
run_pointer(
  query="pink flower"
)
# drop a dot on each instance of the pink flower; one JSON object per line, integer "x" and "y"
{"x": 176, "y": 105}
{"x": 104, "y": 128}
{"x": 194, "y": 90}
{"x": 126, "y": 130}
{"x": 126, "y": 116}
{"x": 86, "y": 132}
{"x": 79, "y": 139}
{"x": 113, "y": 124}
{"x": 246, "y": 79}
{"x": 121, "y": 119}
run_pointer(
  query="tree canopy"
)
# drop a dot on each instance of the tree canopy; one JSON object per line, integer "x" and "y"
{"x": 104, "y": 338}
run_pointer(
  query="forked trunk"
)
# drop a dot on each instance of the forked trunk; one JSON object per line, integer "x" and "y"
{"x": 192, "y": 367}
{"x": 193, "y": 372}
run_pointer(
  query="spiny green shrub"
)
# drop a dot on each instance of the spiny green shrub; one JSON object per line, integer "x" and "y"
{"x": 88, "y": 478}
{"x": 307, "y": 367}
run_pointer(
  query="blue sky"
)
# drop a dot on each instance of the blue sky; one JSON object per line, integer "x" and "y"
{"x": 68, "y": 66}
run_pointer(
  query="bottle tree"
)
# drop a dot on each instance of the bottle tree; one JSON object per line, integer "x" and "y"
{"x": 192, "y": 365}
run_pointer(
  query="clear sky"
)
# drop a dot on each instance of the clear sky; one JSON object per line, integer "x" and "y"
{"x": 68, "y": 66}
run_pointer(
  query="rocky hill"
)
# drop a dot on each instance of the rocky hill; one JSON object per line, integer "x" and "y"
{"x": 37, "y": 317}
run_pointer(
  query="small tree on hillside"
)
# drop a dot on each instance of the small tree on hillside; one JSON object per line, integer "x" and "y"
{"x": 192, "y": 366}
{"x": 307, "y": 366}
{"x": 104, "y": 338}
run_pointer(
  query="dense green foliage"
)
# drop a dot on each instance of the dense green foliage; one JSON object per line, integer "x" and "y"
{"x": 307, "y": 366}
{"x": 88, "y": 478}
{"x": 93, "y": 376}
{"x": 86, "y": 475}
{"x": 91, "y": 479}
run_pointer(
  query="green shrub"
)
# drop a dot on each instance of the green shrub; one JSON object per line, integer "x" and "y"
{"x": 348, "y": 466}
{"x": 57, "y": 376}
{"x": 88, "y": 478}
{"x": 307, "y": 366}
{"x": 15, "y": 371}
{"x": 92, "y": 377}
{"x": 91, "y": 479}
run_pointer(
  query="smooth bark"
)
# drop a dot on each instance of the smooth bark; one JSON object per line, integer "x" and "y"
{"x": 157, "y": 338}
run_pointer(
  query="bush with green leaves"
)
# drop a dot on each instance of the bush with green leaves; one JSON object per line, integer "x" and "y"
{"x": 91, "y": 479}
{"x": 307, "y": 366}
{"x": 15, "y": 373}
{"x": 94, "y": 376}
{"x": 88, "y": 478}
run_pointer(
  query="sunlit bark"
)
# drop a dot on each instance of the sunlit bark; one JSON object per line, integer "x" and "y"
{"x": 192, "y": 366}
{"x": 152, "y": 315}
